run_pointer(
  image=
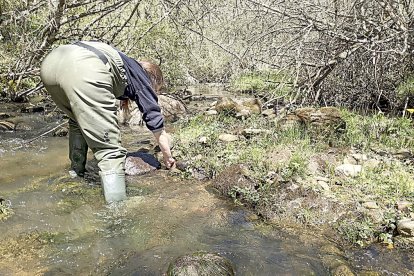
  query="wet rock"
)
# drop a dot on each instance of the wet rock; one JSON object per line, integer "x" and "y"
{"x": 4, "y": 115}
{"x": 342, "y": 270}
{"x": 249, "y": 132}
{"x": 22, "y": 126}
{"x": 7, "y": 126}
{"x": 370, "y": 205}
{"x": 139, "y": 163}
{"x": 405, "y": 227}
{"x": 228, "y": 137}
{"x": 61, "y": 132}
{"x": 32, "y": 109}
{"x": 404, "y": 205}
{"x": 201, "y": 264}
{"x": 348, "y": 170}
{"x": 211, "y": 112}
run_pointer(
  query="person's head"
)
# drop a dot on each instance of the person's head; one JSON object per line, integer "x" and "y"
{"x": 155, "y": 75}
{"x": 157, "y": 81}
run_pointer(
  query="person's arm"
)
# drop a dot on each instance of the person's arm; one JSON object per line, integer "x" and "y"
{"x": 164, "y": 144}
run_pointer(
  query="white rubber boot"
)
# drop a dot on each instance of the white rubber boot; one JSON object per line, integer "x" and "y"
{"x": 113, "y": 184}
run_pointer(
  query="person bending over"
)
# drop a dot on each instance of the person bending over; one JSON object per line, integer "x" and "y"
{"x": 85, "y": 79}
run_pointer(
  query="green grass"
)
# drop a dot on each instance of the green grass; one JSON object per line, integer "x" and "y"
{"x": 378, "y": 131}
{"x": 271, "y": 83}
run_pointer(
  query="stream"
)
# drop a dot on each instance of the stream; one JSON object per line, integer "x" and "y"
{"x": 60, "y": 225}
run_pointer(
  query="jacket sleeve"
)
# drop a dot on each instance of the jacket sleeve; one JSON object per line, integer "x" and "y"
{"x": 147, "y": 102}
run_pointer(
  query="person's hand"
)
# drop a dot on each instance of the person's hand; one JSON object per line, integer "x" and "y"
{"x": 169, "y": 162}
{"x": 164, "y": 141}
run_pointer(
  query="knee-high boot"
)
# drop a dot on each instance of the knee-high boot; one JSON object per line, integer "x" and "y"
{"x": 113, "y": 184}
{"x": 78, "y": 148}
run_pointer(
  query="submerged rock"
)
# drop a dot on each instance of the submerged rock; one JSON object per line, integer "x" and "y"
{"x": 201, "y": 264}
{"x": 7, "y": 126}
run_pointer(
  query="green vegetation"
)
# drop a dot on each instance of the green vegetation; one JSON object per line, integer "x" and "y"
{"x": 270, "y": 83}
{"x": 281, "y": 167}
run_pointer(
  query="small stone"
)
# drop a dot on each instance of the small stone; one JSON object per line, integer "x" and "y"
{"x": 322, "y": 178}
{"x": 244, "y": 113}
{"x": 324, "y": 185}
{"x": 228, "y": 137}
{"x": 248, "y": 132}
{"x": 268, "y": 112}
{"x": 203, "y": 140}
{"x": 61, "y": 132}
{"x": 370, "y": 205}
{"x": 350, "y": 160}
{"x": 211, "y": 112}
{"x": 376, "y": 215}
{"x": 372, "y": 163}
{"x": 359, "y": 157}
{"x": 405, "y": 227}
{"x": 403, "y": 205}
{"x": 348, "y": 170}
{"x": 403, "y": 154}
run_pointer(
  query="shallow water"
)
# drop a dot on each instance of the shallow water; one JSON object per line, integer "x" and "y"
{"x": 62, "y": 226}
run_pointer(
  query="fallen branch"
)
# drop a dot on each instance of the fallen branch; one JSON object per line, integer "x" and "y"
{"x": 43, "y": 134}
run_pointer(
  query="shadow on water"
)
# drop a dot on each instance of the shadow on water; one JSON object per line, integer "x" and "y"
{"x": 61, "y": 225}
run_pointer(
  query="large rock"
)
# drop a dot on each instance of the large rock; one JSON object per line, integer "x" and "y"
{"x": 405, "y": 227}
{"x": 322, "y": 120}
{"x": 172, "y": 109}
{"x": 139, "y": 163}
{"x": 240, "y": 107}
{"x": 201, "y": 264}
